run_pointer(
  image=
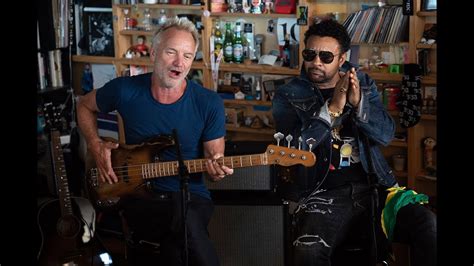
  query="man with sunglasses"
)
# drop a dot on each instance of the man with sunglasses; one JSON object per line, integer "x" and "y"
{"x": 337, "y": 112}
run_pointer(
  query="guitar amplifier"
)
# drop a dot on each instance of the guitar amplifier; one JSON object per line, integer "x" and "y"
{"x": 251, "y": 235}
{"x": 253, "y": 178}
{"x": 250, "y": 178}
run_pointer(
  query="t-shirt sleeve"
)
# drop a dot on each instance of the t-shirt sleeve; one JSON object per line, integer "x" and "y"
{"x": 215, "y": 122}
{"x": 108, "y": 96}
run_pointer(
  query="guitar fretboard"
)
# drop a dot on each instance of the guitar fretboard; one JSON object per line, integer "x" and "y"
{"x": 60, "y": 174}
{"x": 152, "y": 170}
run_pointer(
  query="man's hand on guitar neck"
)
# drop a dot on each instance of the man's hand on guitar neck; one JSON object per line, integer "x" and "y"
{"x": 101, "y": 150}
{"x": 215, "y": 170}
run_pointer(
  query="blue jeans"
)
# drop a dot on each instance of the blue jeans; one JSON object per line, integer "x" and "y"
{"x": 158, "y": 219}
{"x": 324, "y": 219}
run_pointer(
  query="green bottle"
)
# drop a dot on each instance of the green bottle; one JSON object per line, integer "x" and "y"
{"x": 237, "y": 46}
{"x": 228, "y": 43}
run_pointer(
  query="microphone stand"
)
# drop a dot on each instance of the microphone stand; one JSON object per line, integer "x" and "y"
{"x": 184, "y": 186}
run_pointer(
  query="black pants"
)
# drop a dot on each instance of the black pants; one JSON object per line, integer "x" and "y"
{"x": 323, "y": 222}
{"x": 158, "y": 219}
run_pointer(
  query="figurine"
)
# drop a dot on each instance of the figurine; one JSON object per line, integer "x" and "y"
{"x": 268, "y": 7}
{"x": 256, "y": 7}
{"x": 429, "y": 144}
{"x": 138, "y": 50}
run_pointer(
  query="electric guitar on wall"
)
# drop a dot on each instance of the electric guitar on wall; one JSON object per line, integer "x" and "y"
{"x": 60, "y": 228}
{"x": 134, "y": 165}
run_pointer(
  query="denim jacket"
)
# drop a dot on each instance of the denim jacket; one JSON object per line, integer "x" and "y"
{"x": 299, "y": 109}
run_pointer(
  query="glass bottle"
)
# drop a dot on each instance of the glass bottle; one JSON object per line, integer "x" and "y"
{"x": 127, "y": 23}
{"x": 237, "y": 45}
{"x": 286, "y": 51}
{"x": 218, "y": 40}
{"x": 163, "y": 17}
{"x": 147, "y": 19}
{"x": 228, "y": 49}
{"x": 258, "y": 91}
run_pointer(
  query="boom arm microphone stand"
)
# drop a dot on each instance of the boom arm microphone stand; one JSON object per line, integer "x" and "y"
{"x": 184, "y": 182}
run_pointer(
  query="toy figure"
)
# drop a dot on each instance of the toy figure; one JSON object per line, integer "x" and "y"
{"x": 429, "y": 144}
{"x": 256, "y": 7}
{"x": 268, "y": 7}
{"x": 138, "y": 50}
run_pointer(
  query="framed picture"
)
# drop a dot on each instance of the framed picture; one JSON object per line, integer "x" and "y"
{"x": 428, "y": 5}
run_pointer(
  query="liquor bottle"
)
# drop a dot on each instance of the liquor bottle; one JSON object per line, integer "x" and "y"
{"x": 218, "y": 40}
{"x": 286, "y": 51}
{"x": 162, "y": 18}
{"x": 228, "y": 49}
{"x": 258, "y": 91}
{"x": 127, "y": 23}
{"x": 147, "y": 19}
{"x": 237, "y": 45}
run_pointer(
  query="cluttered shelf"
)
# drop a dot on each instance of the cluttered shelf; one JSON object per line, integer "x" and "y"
{"x": 247, "y": 102}
{"x": 251, "y": 15}
{"x": 93, "y": 59}
{"x": 164, "y": 6}
{"x": 268, "y": 131}
{"x": 145, "y": 61}
{"x": 258, "y": 69}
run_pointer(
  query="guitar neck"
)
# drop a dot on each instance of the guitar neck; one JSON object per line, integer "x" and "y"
{"x": 60, "y": 174}
{"x": 153, "y": 170}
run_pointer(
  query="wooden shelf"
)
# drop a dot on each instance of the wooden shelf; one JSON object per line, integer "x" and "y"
{"x": 145, "y": 61}
{"x": 429, "y": 79}
{"x": 162, "y": 6}
{"x": 93, "y": 59}
{"x": 429, "y": 117}
{"x": 258, "y": 69}
{"x": 137, "y": 32}
{"x": 247, "y": 102}
{"x": 250, "y": 15}
{"x": 268, "y": 131}
{"x": 398, "y": 143}
{"x": 426, "y": 46}
{"x": 383, "y": 76}
{"x": 427, "y": 13}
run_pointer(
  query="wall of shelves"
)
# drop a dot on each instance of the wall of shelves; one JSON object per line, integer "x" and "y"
{"x": 411, "y": 147}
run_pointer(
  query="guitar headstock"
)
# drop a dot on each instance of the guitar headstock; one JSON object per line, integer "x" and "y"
{"x": 52, "y": 116}
{"x": 285, "y": 156}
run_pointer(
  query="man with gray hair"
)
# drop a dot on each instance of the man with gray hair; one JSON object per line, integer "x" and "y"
{"x": 154, "y": 104}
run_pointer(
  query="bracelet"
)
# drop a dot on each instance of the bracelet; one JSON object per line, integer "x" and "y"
{"x": 335, "y": 114}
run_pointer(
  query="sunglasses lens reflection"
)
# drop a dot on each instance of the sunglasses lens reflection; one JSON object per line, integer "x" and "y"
{"x": 325, "y": 56}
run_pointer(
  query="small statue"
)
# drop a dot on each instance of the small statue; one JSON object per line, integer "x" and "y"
{"x": 429, "y": 144}
{"x": 256, "y": 7}
{"x": 138, "y": 50}
{"x": 268, "y": 7}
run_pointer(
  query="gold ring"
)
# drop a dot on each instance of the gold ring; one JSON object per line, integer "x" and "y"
{"x": 343, "y": 90}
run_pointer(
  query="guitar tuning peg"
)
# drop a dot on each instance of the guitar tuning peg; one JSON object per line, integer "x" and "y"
{"x": 300, "y": 140}
{"x": 289, "y": 138}
{"x": 310, "y": 143}
{"x": 278, "y": 136}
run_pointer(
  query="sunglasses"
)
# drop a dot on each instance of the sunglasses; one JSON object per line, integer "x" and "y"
{"x": 325, "y": 56}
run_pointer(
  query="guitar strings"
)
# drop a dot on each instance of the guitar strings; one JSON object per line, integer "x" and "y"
{"x": 133, "y": 170}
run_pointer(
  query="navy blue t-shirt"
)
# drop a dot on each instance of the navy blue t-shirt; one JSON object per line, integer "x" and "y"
{"x": 198, "y": 116}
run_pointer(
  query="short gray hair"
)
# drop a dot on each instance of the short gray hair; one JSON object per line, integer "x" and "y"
{"x": 182, "y": 23}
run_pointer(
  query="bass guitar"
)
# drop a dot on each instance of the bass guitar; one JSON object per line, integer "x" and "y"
{"x": 134, "y": 165}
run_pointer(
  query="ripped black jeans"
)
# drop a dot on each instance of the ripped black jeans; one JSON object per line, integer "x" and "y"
{"x": 323, "y": 220}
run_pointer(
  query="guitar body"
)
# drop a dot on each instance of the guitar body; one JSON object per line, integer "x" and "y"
{"x": 128, "y": 160}
{"x": 61, "y": 237}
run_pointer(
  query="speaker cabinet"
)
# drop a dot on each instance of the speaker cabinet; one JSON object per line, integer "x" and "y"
{"x": 250, "y": 235}
{"x": 255, "y": 178}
